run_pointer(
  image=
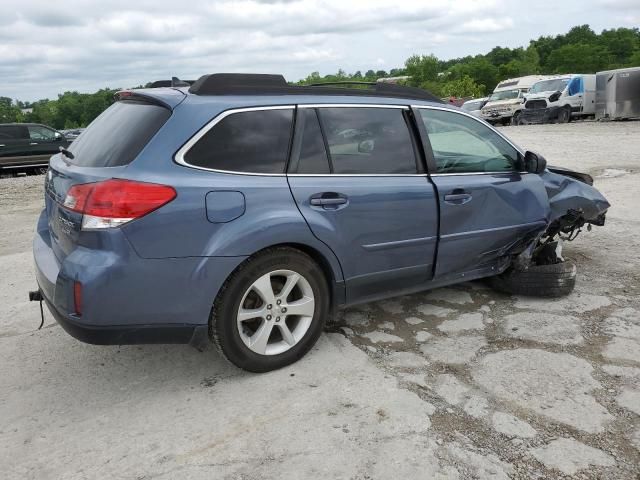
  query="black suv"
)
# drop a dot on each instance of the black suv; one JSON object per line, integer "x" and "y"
{"x": 27, "y": 147}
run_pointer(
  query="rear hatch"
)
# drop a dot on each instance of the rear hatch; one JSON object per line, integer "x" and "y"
{"x": 103, "y": 151}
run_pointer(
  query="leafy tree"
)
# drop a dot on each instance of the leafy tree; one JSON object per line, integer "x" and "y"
{"x": 463, "y": 87}
{"x": 578, "y": 58}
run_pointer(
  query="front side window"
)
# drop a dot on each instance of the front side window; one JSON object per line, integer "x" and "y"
{"x": 37, "y": 132}
{"x": 462, "y": 144}
{"x": 369, "y": 140}
{"x": 255, "y": 141}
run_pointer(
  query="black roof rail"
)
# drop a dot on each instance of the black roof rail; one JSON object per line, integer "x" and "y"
{"x": 263, "y": 84}
{"x": 174, "y": 82}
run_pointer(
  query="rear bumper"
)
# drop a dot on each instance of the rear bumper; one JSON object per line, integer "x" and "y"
{"x": 129, "y": 334}
{"x": 127, "y": 299}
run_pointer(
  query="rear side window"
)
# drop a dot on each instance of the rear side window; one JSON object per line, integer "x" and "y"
{"x": 13, "y": 132}
{"x": 368, "y": 140}
{"x": 119, "y": 134}
{"x": 256, "y": 141}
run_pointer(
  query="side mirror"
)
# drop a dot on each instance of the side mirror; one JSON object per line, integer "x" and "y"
{"x": 57, "y": 136}
{"x": 534, "y": 162}
{"x": 365, "y": 146}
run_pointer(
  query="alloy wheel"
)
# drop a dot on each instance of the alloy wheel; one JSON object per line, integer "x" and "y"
{"x": 275, "y": 312}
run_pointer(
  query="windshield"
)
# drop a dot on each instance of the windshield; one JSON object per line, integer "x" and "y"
{"x": 504, "y": 95}
{"x": 471, "y": 106}
{"x": 549, "y": 85}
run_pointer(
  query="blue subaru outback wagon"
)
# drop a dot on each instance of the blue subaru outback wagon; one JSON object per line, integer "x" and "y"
{"x": 244, "y": 211}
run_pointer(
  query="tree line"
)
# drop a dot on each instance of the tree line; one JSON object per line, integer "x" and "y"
{"x": 580, "y": 50}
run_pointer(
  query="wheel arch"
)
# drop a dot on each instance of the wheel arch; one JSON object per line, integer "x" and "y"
{"x": 327, "y": 262}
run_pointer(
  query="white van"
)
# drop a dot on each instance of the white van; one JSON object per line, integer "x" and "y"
{"x": 507, "y": 98}
{"x": 560, "y": 98}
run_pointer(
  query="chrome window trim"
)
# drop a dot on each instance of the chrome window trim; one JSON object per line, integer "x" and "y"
{"x": 179, "y": 156}
{"x": 401, "y": 174}
{"x": 352, "y": 105}
{"x": 479, "y": 120}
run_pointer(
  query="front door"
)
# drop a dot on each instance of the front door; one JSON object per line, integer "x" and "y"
{"x": 44, "y": 142}
{"x": 359, "y": 188}
{"x": 487, "y": 205}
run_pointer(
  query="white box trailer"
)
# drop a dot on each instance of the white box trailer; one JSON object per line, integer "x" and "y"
{"x": 618, "y": 94}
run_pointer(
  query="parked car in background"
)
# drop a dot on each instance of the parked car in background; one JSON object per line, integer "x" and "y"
{"x": 618, "y": 94}
{"x": 474, "y": 106}
{"x": 26, "y": 147}
{"x": 73, "y": 133}
{"x": 559, "y": 99}
{"x": 243, "y": 211}
{"x": 507, "y": 99}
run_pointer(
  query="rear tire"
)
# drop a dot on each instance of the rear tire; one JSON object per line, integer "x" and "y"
{"x": 273, "y": 337}
{"x": 555, "y": 280}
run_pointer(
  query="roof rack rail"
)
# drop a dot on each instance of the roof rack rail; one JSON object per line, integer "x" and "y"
{"x": 174, "y": 82}
{"x": 263, "y": 84}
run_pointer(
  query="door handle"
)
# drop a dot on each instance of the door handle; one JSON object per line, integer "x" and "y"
{"x": 33, "y": 143}
{"x": 328, "y": 200}
{"x": 457, "y": 198}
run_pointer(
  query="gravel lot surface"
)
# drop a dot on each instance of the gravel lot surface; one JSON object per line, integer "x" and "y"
{"x": 458, "y": 382}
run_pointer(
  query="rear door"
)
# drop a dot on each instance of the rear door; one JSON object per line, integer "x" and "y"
{"x": 14, "y": 145}
{"x": 360, "y": 189}
{"x": 487, "y": 205}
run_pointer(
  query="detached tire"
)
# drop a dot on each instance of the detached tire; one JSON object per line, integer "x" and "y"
{"x": 554, "y": 280}
{"x": 271, "y": 310}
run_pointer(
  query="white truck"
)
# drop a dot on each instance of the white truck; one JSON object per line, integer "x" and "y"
{"x": 559, "y": 99}
{"x": 507, "y": 99}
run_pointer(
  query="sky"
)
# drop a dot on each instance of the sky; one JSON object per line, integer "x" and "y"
{"x": 49, "y": 47}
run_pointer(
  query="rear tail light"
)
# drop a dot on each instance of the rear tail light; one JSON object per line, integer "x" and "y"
{"x": 114, "y": 202}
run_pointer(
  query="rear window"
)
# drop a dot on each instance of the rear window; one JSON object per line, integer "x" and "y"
{"x": 253, "y": 142}
{"x": 119, "y": 134}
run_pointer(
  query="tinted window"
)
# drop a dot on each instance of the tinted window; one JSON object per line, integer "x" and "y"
{"x": 461, "y": 144}
{"x": 13, "y": 132}
{"x": 118, "y": 135}
{"x": 313, "y": 154}
{"x": 37, "y": 132}
{"x": 368, "y": 140}
{"x": 255, "y": 142}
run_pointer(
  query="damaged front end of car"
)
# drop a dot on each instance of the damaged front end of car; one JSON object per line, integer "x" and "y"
{"x": 537, "y": 266}
{"x": 574, "y": 203}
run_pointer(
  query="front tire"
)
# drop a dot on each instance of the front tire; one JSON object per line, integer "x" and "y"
{"x": 564, "y": 115}
{"x": 271, "y": 310}
{"x": 553, "y": 280}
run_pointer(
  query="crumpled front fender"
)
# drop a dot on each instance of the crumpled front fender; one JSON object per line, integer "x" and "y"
{"x": 566, "y": 193}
